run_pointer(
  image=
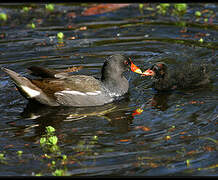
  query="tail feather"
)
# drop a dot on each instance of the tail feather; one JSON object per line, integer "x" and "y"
{"x": 28, "y": 89}
{"x": 42, "y": 72}
{"x": 46, "y": 73}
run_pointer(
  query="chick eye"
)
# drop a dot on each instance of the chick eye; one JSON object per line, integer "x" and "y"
{"x": 156, "y": 68}
{"x": 160, "y": 65}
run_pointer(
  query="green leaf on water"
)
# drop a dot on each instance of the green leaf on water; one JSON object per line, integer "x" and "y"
{"x": 42, "y": 140}
{"x": 2, "y": 156}
{"x": 141, "y": 6}
{"x": 60, "y": 35}
{"x": 49, "y": 7}
{"x": 19, "y": 153}
{"x": 59, "y": 172}
{"x": 25, "y": 9}
{"x": 50, "y": 129}
{"x": 181, "y": 7}
{"x": 197, "y": 13}
{"x": 201, "y": 40}
{"x": 3, "y": 16}
{"x": 53, "y": 140}
{"x": 188, "y": 162}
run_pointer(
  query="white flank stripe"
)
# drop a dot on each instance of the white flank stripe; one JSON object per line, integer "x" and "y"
{"x": 114, "y": 94}
{"x": 93, "y": 93}
{"x": 59, "y": 93}
{"x": 31, "y": 92}
{"x": 73, "y": 92}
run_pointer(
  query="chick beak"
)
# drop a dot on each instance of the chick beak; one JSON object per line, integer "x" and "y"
{"x": 148, "y": 72}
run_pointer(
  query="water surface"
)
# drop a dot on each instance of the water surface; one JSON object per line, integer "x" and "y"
{"x": 175, "y": 133}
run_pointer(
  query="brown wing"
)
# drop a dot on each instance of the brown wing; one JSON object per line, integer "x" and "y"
{"x": 79, "y": 83}
{"x": 42, "y": 72}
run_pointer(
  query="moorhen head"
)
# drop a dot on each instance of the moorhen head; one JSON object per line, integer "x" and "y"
{"x": 55, "y": 88}
{"x": 180, "y": 77}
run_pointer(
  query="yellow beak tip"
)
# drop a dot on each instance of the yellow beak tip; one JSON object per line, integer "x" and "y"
{"x": 138, "y": 71}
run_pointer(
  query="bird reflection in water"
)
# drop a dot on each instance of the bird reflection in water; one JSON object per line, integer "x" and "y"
{"x": 158, "y": 101}
{"x": 117, "y": 114}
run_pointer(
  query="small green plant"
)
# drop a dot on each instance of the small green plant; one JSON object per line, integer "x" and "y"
{"x": 26, "y": 9}
{"x": 187, "y": 162}
{"x": 38, "y": 174}
{"x": 19, "y": 153}
{"x": 32, "y": 25}
{"x": 49, "y": 7}
{"x": 201, "y": 40}
{"x": 50, "y": 129}
{"x": 3, "y": 17}
{"x": 163, "y": 8}
{"x": 141, "y": 6}
{"x": 59, "y": 161}
{"x": 205, "y": 20}
{"x": 49, "y": 140}
{"x": 59, "y": 172}
{"x": 180, "y": 9}
{"x": 53, "y": 163}
{"x": 2, "y": 159}
{"x": 197, "y": 13}
{"x": 181, "y": 24}
{"x": 60, "y": 35}
{"x": 2, "y": 156}
{"x": 64, "y": 157}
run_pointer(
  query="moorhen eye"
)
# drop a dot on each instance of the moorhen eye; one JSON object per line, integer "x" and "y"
{"x": 126, "y": 62}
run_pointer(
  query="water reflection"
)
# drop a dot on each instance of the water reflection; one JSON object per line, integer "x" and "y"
{"x": 118, "y": 115}
{"x": 159, "y": 101}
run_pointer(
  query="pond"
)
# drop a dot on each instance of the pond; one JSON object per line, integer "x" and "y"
{"x": 147, "y": 133}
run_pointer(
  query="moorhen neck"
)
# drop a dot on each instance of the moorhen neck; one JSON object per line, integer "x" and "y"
{"x": 180, "y": 77}
{"x": 62, "y": 89}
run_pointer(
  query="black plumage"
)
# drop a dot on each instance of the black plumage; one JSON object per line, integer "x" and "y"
{"x": 180, "y": 77}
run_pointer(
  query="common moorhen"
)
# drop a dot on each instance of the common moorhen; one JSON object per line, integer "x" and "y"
{"x": 62, "y": 89}
{"x": 181, "y": 77}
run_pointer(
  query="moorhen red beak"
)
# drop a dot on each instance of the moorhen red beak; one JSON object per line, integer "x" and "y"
{"x": 148, "y": 72}
{"x": 62, "y": 89}
{"x": 135, "y": 69}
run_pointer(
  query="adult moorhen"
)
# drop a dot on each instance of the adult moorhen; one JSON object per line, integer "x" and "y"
{"x": 62, "y": 89}
{"x": 181, "y": 77}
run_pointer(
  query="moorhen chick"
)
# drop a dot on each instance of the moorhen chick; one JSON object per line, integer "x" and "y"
{"x": 62, "y": 89}
{"x": 181, "y": 77}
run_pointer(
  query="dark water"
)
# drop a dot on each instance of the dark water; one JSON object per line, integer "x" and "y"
{"x": 176, "y": 134}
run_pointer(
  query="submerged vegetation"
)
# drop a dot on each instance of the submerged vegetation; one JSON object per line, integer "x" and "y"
{"x": 57, "y": 160}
